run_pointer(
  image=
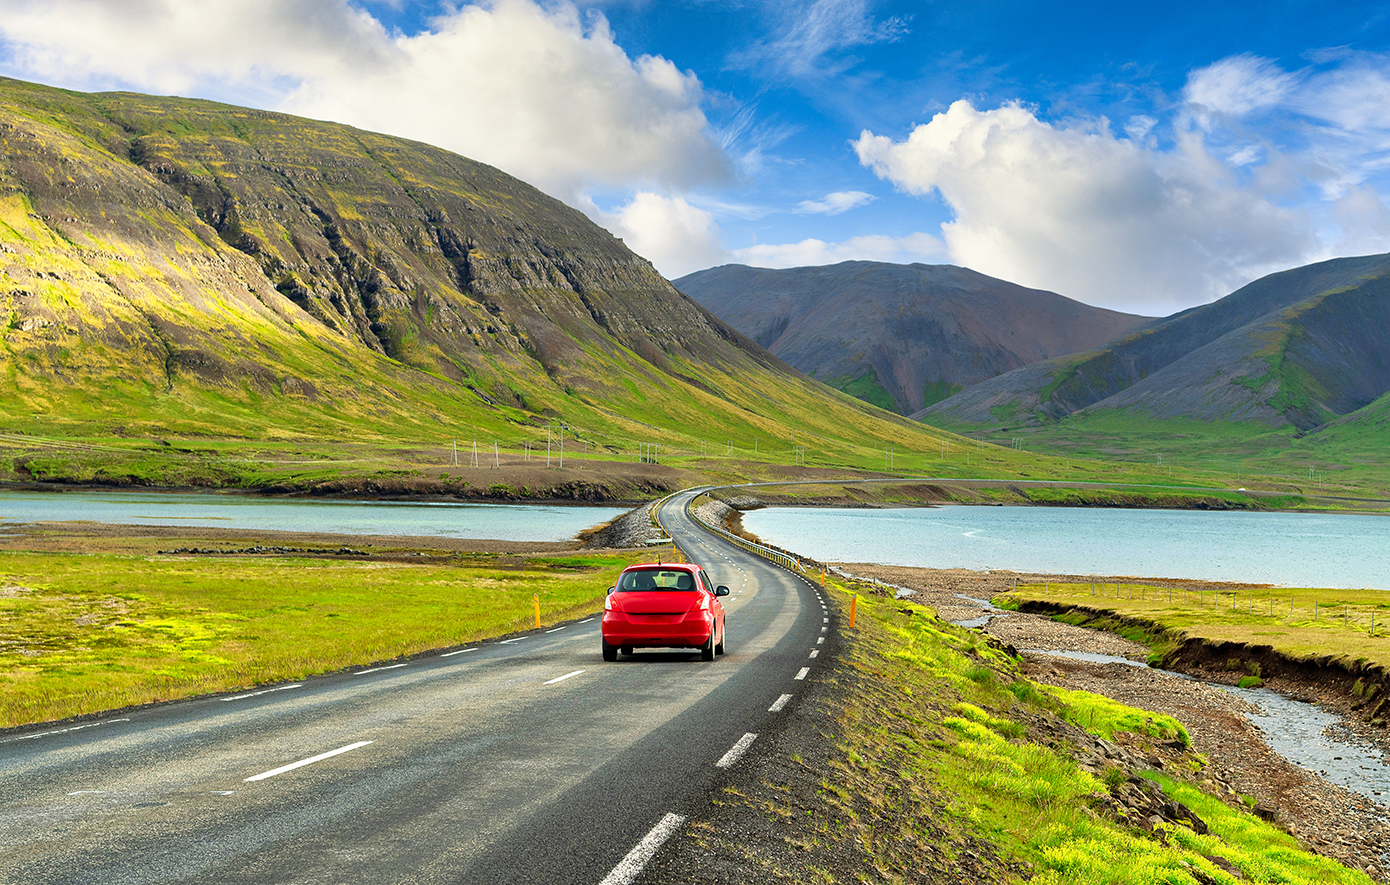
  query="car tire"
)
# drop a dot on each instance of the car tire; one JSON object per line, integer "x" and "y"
{"x": 707, "y": 650}
{"x": 610, "y": 652}
{"x": 719, "y": 649}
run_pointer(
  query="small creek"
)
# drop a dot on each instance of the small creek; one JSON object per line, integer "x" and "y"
{"x": 1305, "y": 734}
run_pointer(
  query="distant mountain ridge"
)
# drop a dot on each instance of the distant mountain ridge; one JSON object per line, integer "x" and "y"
{"x": 1301, "y": 348}
{"x": 901, "y": 336}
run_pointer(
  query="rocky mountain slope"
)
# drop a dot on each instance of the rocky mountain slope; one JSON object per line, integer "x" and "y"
{"x": 1297, "y": 349}
{"x": 901, "y": 336}
{"x": 184, "y": 267}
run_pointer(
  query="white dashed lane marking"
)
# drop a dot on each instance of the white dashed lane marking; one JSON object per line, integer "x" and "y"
{"x": 562, "y": 678}
{"x": 450, "y": 654}
{"x": 778, "y": 704}
{"x": 630, "y": 867}
{"x": 801, "y": 674}
{"x": 736, "y": 751}
{"x": 303, "y": 762}
{"x": 378, "y": 669}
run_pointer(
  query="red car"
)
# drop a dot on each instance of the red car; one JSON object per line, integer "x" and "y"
{"x": 664, "y": 605}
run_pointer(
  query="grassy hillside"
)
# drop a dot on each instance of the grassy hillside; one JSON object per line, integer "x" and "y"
{"x": 192, "y": 292}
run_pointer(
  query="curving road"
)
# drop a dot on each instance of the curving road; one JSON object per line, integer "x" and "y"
{"x": 525, "y": 760}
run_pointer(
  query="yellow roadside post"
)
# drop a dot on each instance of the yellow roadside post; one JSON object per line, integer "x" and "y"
{"x": 853, "y": 604}
{"x": 537, "y": 599}
{"x": 822, "y": 579}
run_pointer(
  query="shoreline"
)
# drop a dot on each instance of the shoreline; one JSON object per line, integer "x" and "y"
{"x": 1331, "y": 819}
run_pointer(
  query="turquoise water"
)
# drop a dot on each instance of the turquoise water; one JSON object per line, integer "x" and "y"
{"x": 1290, "y": 549}
{"x": 505, "y": 522}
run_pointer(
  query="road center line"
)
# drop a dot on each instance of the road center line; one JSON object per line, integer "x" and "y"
{"x": 562, "y": 678}
{"x": 630, "y": 867}
{"x": 256, "y": 694}
{"x": 736, "y": 752}
{"x": 377, "y": 669}
{"x": 778, "y": 704}
{"x": 801, "y": 674}
{"x": 450, "y": 654}
{"x": 303, "y": 762}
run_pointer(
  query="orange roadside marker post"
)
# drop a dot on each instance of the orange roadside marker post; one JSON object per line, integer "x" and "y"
{"x": 853, "y": 604}
{"x": 537, "y": 599}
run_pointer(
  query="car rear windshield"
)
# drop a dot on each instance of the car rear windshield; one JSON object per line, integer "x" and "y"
{"x": 654, "y": 579}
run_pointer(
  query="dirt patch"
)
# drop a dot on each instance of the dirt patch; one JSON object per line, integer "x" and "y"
{"x": 1325, "y": 817}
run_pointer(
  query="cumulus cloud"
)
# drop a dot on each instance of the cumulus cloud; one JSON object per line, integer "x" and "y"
{"x": 834, "y": 204}
{"x": 1077, "y": 210}
{"x": 542, "y": 92}
{"x": 810, "y": 252}
{"x": 674, "y": 235}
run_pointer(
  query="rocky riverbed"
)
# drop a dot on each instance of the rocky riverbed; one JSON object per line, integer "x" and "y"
{"x": 1325, "y": 817}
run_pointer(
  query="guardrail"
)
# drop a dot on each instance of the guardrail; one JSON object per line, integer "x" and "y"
{"x": 776, "y": 557}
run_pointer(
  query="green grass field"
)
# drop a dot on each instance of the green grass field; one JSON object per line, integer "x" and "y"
{"x": 937, "y": 724}
{"x": 85, "y": 633}
{"x": 1300, "y": 623}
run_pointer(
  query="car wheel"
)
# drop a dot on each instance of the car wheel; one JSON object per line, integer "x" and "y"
{"x": 719, "y": 649}
{"x": 707, "y": 650}
{"x": 610, "y": 652}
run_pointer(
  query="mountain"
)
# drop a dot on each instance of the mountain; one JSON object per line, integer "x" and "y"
{"x": 901, "y": 336}
{"x": 1295, "y": 350}
{"x": 181, "y": 267}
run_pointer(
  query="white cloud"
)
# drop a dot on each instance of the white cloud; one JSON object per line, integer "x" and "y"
{"x": 810, "y": 252}
{"x": 1237, "y": 86}
{"x": 539, "y": 91}
{"x": 834, "y": 204}
{"x": 809, "y": 36}
{"x": 675, "y": 236}
{"x": 1079, "y": 211}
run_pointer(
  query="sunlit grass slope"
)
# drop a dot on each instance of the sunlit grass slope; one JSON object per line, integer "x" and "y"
{"x": 181, "y": 270}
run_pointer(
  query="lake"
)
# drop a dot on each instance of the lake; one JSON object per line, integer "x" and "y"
{"x": 1289, "y": 549}
{"x": 446, "y": 519}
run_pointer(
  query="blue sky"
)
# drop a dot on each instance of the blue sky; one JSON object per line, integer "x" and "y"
{"x": 1140, "y": 158}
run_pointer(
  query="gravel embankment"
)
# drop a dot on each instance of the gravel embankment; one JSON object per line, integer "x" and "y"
{"x": 1325, "y": 817}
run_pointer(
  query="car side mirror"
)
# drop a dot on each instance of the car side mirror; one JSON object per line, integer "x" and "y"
{"x": 611, "y": 589}
{"x": 721, "y": 590}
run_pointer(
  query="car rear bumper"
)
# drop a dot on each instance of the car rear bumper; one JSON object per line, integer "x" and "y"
{"x": 640, "y": 632}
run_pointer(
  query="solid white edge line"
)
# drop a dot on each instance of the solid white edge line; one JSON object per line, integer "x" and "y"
{"x": 736, "y": 751}
{"x": 778, "y": 704}
{"x": 562, "y": 678}
{"x": 378, "y": 669}
{"x": 801, "y": 674}
{"x": 630, "y": 867}
{"x": 303, "y": 762}
{"x": 450, "y": 654}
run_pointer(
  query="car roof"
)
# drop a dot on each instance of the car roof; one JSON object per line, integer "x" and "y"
{"x": 678, "y": 566}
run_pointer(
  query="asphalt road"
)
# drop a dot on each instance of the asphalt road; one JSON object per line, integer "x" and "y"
{"x": 526, "y": 760}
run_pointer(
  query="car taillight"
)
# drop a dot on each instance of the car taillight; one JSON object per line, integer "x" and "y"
{"x": 703, "y": 604}
{"x": 609, "y": 603}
